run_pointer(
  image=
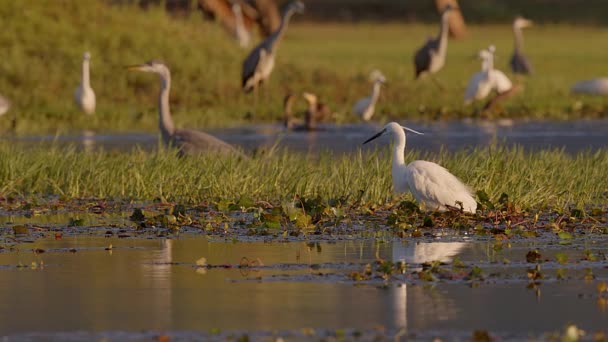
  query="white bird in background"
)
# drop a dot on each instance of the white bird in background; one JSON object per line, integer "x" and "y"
{"x": 85, "y": 96}
{"x": 242, "y": 34}
{"x": 365, "y": 107}
{"x": 5, "y": 105}
{"x": 596, "y": 86}
{"x": 487, "y": 80}
{"x": 430, "y": 184}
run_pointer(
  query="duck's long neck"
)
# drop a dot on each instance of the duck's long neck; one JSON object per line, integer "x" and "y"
{"x": 519, "y": 38}
{"x": 398, "y": 151}
{"x": 443, "y": 34}
{"x": 165, "y": 122}
{"x": 85, "y": 81}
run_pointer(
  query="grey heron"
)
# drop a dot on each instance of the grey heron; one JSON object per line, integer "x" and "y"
{"x": 596, "y": 86}
{"x": 5, "y": 105}
{"x": 431, "y": 185}
{"x": 258, "y": 65}
{"x": 365, "y": 107}
{"x": 185, "y": 140}
{"x": 519, "y": 62}
{"x": 84, "y": 95}
{"x": 431, "y": 56}
{"x": 487, "y": 80}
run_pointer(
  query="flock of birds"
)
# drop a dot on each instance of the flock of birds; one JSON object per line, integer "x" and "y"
{"x": 431, "y": 185}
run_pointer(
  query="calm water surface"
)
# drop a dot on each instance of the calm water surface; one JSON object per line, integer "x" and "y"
{"x": 573, "y": 136}
{"x": 154, "y": 285}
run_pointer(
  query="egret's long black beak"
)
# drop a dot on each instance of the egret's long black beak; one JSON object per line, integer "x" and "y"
{"x": 375, "y": 136}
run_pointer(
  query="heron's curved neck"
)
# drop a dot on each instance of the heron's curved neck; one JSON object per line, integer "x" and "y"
{"x": 278, "y": 34}
{"x": 519, "y": 38}
{"x": 165, "y": 122}
{"x": 376, "y": 92}
{"x": 86, "y": 82}
{"x": 399, "y": 150}
{"x": 443, "y": 34}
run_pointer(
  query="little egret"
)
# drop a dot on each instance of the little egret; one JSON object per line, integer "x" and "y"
{"x": 84, "y": 95}
{"x": 519, "y": 62}
{"x": 185, "y": 140}
{"x": 487, "y": 80}
{"x": 596, "y": 86}
{"x": 365, "y": 107}
{"x": 431, "y": 56}
{"x": 430, "y": 184}
{"x": 258, "y": 65}
{"x": 5, "y": 105}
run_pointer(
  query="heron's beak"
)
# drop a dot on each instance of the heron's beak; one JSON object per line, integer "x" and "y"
{"x": 411, "y": 130}
{"x": 375, "y": 136}
{"x": 134, "y": 67}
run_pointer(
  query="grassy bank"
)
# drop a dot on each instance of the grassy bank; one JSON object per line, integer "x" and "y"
{"x": 43, "y": 43}
{"x": 547, "y": 178}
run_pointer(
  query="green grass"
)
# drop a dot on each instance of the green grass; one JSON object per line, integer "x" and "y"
{"x": 43, "y": 43}
{"x": 537, "y": 179}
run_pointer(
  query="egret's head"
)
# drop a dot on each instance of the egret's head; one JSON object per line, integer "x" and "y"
{"x": 296, "y": 6}
{"x": 86, "y": 56}
{"x": 520, "y": 22}
{"x": 377, "y": 77}
{"x": 154, "y": 66}
{"x": 392, "y": 128}
{"x": 310, "y": 98}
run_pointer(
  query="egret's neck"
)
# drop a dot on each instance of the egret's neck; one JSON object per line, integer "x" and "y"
{"x": 376, "y": 92}
{"x": 165, "y": 121}
{"x": 490, "y": 63}
{"x": 519, "y": 38}
{"x": 398, "y": 150}
{"x": 86, "y": 82}
{"x": 443, "y": 34}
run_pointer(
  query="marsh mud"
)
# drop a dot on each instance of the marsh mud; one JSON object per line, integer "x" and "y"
{"x": 82, "y": 275}
{"x": 572, "y": 136}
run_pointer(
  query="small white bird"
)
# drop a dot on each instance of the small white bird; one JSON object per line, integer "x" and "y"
{"x": 487, "y": 80}
{"x": 5, "y": 105}
{"x": 596, "y": 86}
{"x": 430, "y": 184}
{"x": 365, "y": 107}
{"x": 84, "y": 95}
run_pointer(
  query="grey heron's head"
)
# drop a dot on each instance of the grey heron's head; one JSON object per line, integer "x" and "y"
{"x": 296, "y": 6}
{"x": 376, "y": 76}
{"x": 393, "y": 129}
{"x": 156, "y": 67}
{"x": 520, "y": 22}
{"x": 86, "y": 56}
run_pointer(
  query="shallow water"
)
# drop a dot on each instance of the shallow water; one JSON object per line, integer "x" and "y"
{"x": 153, "y": 285}
{"x": 573, "y": 136}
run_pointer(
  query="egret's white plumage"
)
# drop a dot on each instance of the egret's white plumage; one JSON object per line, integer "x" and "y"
{"x": 430, "y": 184}
{"x": 5, "y": 104}
{"x": 84, "y": 95}
{"x": 487, "y": 80}
{"x": 365, "y": 107}
{"x": 596, "y": 86}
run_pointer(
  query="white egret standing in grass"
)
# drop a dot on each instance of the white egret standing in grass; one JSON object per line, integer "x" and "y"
{"x": 84, "y": 95}
{"x": 259, "y": 64}
{"x": 365, "y": 107}
{"x": 519, "y": 63}
{"x": 430, "y": 184}
{"x": 488, "y": 79}
{"x": 5, "y": 105}
{"x": 185, "y": 140}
